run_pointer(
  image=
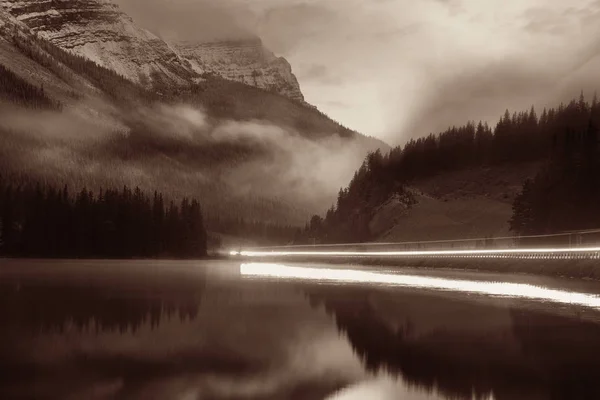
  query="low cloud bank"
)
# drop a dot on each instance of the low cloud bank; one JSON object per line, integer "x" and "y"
{"x": 170, "y": 143}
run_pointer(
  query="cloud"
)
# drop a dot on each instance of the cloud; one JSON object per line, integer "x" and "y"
{"x": 337, "y": 104}
{"x": 522, "y": 56}
{"x": 289, "y": 26}
{"x": 542, "y": 20}
{"x": 319, "y": 73}
{"x": 174, "y": 121}
{"x": 298, "y": 169}
{"x": 454, "y": 6}
{"x": 73, "y": 124}
{"x": 178, "y": 149}
{"x": 478, "y": 94}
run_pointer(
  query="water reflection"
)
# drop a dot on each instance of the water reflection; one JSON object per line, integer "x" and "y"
{"x": 465, "y": 350}
{"x": 162, "y": 332}
{"x": 60, "y": 332}
{"x": 506, "y": 289}
{"x": 37, "y": 308}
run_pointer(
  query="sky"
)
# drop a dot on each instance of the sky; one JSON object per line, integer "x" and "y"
{"x": 398, "y": 69}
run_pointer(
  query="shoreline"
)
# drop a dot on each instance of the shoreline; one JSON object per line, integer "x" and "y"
{"x": 97, "y": 258}
{"x": 580, "y": 269}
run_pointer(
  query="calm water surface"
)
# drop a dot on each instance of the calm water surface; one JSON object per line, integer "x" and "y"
{"x": 221, "y": 330}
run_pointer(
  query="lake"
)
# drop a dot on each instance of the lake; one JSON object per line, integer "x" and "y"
{"x": 226, "y": 330}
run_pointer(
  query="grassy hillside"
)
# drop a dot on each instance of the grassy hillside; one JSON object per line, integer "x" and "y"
{"x": 459, "y": 204}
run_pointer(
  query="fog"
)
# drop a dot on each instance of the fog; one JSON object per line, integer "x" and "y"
{"x": 73, "y": 124}
{"x": 398, "y": 69}
{"x": 291, "y": 166}
{"x": 313, "y": 170}
{"x": 179, "y": 149}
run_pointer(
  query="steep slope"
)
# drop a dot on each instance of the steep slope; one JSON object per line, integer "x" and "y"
{"x": 246, "y": 61}
{"x": 97, "y": 30}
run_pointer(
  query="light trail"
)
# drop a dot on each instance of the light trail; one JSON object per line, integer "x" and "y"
{"x": 502, "y": 289}
{"x": 591, "y": 252}
{"x": 442, "y": 241}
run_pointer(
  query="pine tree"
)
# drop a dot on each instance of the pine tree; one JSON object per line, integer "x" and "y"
{"x": 41, "y": 221}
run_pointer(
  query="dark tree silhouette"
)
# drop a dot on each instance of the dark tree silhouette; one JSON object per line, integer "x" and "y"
{"x": 42, "y": 221}
{"x": 565, "y": 194}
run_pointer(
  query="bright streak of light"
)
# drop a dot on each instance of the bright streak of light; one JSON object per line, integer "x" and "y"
{"x": 234, "y": 253}
{"x": 504, "y": 289}
{"x": 483, "y": 252}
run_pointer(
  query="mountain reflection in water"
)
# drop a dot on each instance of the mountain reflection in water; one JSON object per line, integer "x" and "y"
{"x": 175, "y": 330}
{"x": 466, "y": 349}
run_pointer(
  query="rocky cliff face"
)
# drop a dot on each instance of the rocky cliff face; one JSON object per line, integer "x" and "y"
{"x": 99, "y": 31}
{"x": 245, "y": 61}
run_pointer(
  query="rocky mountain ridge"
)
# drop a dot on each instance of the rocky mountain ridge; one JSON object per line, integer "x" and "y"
{"x": 101, "y": 32}
{"x": 246, "y": 61}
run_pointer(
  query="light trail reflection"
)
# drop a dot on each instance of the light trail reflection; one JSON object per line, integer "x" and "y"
{"x": 504, "y": 289}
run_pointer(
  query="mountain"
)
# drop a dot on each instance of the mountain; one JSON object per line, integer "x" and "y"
{"x": 91, "y": 100}
{"x": 100, "y": 32}
{"x": 246, "y": 61}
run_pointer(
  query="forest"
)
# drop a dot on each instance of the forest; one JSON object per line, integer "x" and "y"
{"x": 18, "y": 91}
{"x": 63, "y": 64}
{"x": 44, "y": 221}
{"x": 564, "y": 195}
